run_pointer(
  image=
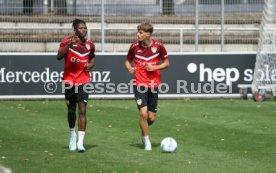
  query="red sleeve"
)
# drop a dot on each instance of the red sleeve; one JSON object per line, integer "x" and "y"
{"x": 163, "y": 52}
{"x": 63, "y": 43}
{"x": 130, "y": 55}
{"x": 92, "y": 53}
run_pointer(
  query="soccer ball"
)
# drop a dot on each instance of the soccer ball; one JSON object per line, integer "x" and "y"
{"x": 168, "y": 144}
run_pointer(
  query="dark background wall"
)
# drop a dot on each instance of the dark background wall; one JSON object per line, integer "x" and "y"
{"x": 28, "y": 74}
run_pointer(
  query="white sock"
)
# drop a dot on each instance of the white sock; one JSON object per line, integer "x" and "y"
{"x": 72, "y": 132}
{"x": 146, "y": 138}
{"x": 81, "y": 135}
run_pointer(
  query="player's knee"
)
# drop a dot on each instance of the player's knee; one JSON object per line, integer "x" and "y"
{"x": 150, "y": 120}
{"x": 71, "y": 110}
{"x": 143, "y": 115}
{"x": 82, "y": 111}
{"x": 82, "y": 114}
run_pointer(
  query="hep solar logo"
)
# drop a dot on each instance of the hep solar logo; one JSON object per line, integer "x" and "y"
{"x": 227, "y": 75}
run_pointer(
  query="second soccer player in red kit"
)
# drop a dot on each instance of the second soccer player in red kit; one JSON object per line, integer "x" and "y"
{"x": 79, "y": 55}
{"x": 149, "y": 56}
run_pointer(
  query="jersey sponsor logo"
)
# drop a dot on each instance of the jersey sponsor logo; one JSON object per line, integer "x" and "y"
{"x": 73, "y": 59}
{"x": 142, "y": 63}
{"x": 154, "y": 49}
{"x": 139, "y": 51}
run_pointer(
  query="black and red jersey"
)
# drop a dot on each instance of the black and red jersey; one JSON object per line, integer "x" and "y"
{"x": 77, "y": 56}
{"x": 143, "y": 56}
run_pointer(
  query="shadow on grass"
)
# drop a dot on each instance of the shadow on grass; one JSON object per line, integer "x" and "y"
{"x": 87, "y": 147}
{"x": 142, "y": 146}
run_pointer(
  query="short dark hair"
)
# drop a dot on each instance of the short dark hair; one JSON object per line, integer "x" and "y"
{"x": 147, "y": 27}
{"x": 76, "y": 22}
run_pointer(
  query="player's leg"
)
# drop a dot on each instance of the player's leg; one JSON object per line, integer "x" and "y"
{"x": 71, "y": 117}
{"x": 82, "y": 116}
{"x": 143, "y": 112}
{"x": 141, "y": 96}
{"x": 152, "y": 105}
{"x": 141, "y": 102}
{"x": 152, "y": 98}
{"x": 151, "y": 118}
{"x": 82, "y": 125}
{"x": 82, "y": 98}
{"x": 71, "y": 122}
{"x": 144, "y": 127}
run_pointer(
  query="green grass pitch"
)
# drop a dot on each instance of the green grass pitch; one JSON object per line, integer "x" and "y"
{"x": 214, "y": 136}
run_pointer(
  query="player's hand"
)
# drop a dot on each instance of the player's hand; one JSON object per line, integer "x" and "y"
{"x": 73, "y": 40}
{"x": 88, "y": 66}
{"x": 131, "y": 70}
{"x": 150, "y": 67}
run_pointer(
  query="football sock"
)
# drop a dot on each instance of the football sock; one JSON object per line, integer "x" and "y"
{"x": 72, "y": 132}
{"x": 146, "y": 138}
{"x": 81, "y": 136}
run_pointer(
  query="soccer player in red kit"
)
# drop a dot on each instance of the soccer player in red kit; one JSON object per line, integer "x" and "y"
{"x": 149, "y": 56}
{"x": 79, "y": 55}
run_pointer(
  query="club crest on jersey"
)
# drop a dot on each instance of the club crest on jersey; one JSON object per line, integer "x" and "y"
{"x": 139, "y": 102}
{"x": 87, "y": 46}
{"x": 154, "y": 49}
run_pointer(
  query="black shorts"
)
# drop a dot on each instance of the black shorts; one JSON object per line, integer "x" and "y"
{"x": 75, "y": 94}
{"x": 146, "y": 97}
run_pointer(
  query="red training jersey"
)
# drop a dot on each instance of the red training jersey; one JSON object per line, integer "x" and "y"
{"x": 77, "y": 56}
{"x": 143, "y": 56}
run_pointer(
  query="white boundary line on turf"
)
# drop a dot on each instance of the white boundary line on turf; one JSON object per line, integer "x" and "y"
{"x": 125, "y": 96}
{"x": 121, "y": 53}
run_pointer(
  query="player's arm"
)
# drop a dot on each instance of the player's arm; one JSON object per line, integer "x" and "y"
{"x": 165, "y": 64}
{"x": 128, "y": 61}
{"x": 129, "y": 67}
{"x": 90, "y": 64}
{"x": 65, "y": 46}
{"x": 62, "y": 52}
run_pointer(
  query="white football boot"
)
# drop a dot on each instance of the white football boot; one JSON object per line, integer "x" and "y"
{"x": 147, "y": 145}
{"x": 73, "y": 143}
{"x": 80, "y": 147}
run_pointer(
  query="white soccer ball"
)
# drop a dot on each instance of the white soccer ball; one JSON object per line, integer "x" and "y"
{"x": 168, "y": 144}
